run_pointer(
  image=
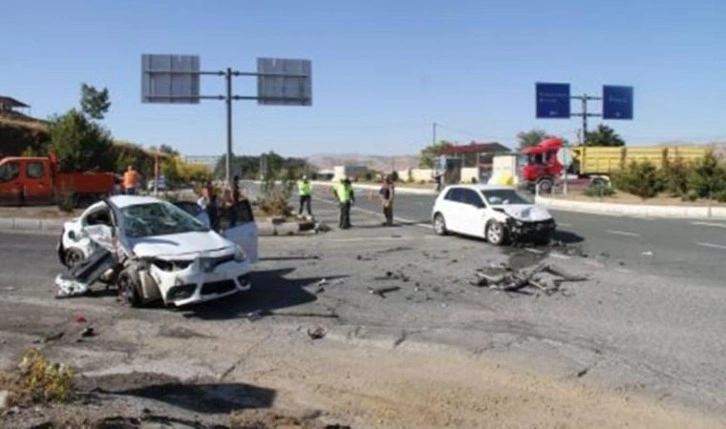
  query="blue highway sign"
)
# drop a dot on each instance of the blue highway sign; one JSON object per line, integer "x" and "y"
{"x": 553, "y": 100}
{"x": 617, "y": 102}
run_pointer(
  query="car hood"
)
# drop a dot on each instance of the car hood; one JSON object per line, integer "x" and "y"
{"x": 188, "y": 244}
{"x": 525, "y": 212}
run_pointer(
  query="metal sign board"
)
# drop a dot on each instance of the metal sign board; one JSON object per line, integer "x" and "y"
{"x": 617, "y": 102}
{"x": 553, "y": 100}
{"x": 284, "y": 82}
{"x": 170, "y": 79}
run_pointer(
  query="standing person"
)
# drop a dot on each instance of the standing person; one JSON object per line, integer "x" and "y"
{"x": 387, "y": 193}
{"x": 131, "y": 181}
{"x": 305, "y": 191}
{"x": 209, "y": 202}
{"x": 343, "y": 192}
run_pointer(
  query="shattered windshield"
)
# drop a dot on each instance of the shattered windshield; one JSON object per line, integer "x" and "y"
{"x": 153, "y": 219}
{"x": 497, "y": 197}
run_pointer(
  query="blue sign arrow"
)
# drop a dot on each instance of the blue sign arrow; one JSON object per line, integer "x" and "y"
{"x": 553, "y": 100}
{"x": 617, "y": 102}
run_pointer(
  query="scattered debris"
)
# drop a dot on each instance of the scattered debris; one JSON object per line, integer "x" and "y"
{"x": 331, "y": 315}
{"x": 4, "y": 395}
{"x": 390, "y": 275}
{"x": 321, "y": 227}
{"x": 395, "y": 249}
{"x": 79, "y": 318}
{"x": 316, "y": 333}
{"x": 582, "y": 373}
{"x": 88, "y": 332}
{"x": 323, "y": 282}
{"x": 647, "y": 253}
{"x": 382, "y": 291}
{"x": 253, "y": 315}
{"x": 504, "y": 279}
{"x": 52, "y": 337}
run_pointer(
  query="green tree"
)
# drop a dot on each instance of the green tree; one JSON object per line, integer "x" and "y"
{"x": 708, "y": 176}
{"x": 80, "y": 143}
{"x": 430, "y": 153}
{"x": 603, "y": 136}
{"x": 531, "y": 138}
{"x": 94, "y": 103}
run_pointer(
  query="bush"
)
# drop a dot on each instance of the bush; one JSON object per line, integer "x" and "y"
{"x": 394, "y": 176}
{"x": 641, "y": 179}
{"x": 675, "y": 177}
{"x": 707, "y": 177}
{"x": 690, "y": 196}
{"x": 721, "y": 197}
{"x": 598, "y": 190}
{"x": 38, "y": 380}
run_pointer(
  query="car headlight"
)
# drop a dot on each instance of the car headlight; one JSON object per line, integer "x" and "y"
{"x": 239, "y": 254}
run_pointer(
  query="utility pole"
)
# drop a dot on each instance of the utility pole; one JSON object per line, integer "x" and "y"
{"x": 228, "y": 164}
{"x": 584, "y": 99}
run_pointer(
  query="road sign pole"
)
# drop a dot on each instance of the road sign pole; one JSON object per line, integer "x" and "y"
{"x": 228, "y": 162}
{"x": 584, "y": 118}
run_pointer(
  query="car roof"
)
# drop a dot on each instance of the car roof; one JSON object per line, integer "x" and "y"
{"x": 478, "y": 187}
{"x": 122, "y": 201}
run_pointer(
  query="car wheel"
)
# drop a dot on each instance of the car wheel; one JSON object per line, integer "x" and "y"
{"x": 496, "y": 233}
{"x": 129, "y": 288}
{"x": 439, "y": 224}
{"x": 73, "y": 257}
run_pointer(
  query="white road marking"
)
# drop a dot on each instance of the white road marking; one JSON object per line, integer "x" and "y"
{"x": 559, "y": 256}
{"x": 718, "y": 225}
{"x": 622, "y": 270}
{"x": 712, "y": 246}
{"x": 537, "y": 251}
{"x": 625, "y": 233}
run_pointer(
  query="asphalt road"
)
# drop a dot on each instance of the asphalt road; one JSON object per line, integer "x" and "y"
{"x": 686, "y": 249}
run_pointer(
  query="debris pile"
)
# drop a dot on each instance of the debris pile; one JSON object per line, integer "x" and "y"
{"x": 544, "y": 277}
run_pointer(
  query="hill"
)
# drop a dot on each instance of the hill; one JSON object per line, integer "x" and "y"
{"x": 19, "y": 132}
{"x": 373, "y": 162}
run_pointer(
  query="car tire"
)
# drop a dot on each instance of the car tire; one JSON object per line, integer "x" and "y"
{"x": 496, "y": 233}
{"x": 129, "y": 288}
{"x": 73, "y": 257}
{"x": 440, "y": 224}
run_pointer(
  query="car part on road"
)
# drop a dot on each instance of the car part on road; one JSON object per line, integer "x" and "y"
{"x": 507, "y": 280}
{"x": 316, "y": 333}
{"x": 382, "y": 291}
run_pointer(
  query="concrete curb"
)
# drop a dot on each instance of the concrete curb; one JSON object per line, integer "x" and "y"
{"x": 675, "y": 212}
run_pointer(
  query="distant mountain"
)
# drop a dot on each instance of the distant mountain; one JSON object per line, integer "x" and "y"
{"x": 373, "y": 162}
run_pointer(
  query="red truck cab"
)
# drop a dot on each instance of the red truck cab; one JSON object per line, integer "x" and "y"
{"x": 37, "y": 181}
{"x": 542, "y": 166}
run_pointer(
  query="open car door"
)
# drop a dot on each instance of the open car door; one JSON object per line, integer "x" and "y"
{"x": 239, "y": 227}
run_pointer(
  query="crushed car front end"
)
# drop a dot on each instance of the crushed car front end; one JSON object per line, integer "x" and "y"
{"x": 531, "y": 231}
{"x": 184, "y": 280}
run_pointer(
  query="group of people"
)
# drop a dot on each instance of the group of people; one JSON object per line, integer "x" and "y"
{"x": 215, "y": 206}
{"x": 344, "y": 194}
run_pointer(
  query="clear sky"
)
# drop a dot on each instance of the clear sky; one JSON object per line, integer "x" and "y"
{"x": 383, "y": 70}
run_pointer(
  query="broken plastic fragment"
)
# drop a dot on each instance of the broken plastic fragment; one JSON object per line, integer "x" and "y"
{"x": 66, "y": 287}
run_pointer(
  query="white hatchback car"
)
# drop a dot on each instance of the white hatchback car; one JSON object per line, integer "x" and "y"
{"x": 163, "y": 250}
{"x": 499, "y": 214}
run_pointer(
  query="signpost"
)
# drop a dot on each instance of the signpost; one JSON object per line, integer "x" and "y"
{"x": 553, "y": 100}
{"x": 174, "y": 79}
{"x": 617, "y": 102}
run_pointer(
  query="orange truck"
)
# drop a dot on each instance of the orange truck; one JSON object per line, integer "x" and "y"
{"x": 26, "y": 181}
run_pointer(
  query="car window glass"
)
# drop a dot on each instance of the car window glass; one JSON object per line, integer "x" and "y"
{"x": 505, "y": 196}
{"x": 99, "y": 217}
{"x": 9, "y": 171}
{"x": 471, "y": 198}
{"x": 451, "y": 195}
{"x": 155, "y": 219}
{"x": 34, "y": 170}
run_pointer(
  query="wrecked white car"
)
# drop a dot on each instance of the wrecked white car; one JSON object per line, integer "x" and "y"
{"x": 499, "y": 214}
{"x": 154, "y": 250}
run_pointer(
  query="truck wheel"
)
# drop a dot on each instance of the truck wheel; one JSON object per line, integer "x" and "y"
{"x": 599, "y": 182}
{"x": 129, "y": 288}
{"x": 545, "y": 186}
{"x": 85, "y": 201}
{"x": 440, "y": 224}
{"x": 496, "y": 233}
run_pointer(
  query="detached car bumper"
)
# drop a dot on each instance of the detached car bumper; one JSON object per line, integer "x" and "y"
{"x": 195, "y": 284}
{"x": 528, "y": 230}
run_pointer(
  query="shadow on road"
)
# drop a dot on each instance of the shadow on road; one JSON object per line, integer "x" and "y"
{"x": 568, "y": 237}
{"x": 270, "y": 291}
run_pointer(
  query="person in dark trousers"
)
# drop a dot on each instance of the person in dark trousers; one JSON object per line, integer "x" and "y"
{"x": 305, "y": 190}
{"x": 387, "y": 192}
{"x": 343, "y": 192}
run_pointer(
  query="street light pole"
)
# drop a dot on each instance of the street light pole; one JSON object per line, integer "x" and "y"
{"x": 228, "y": 163}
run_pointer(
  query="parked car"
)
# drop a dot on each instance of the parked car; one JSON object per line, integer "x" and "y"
{"x": 160, "y": 251}
{"x": 499, "y": 214}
